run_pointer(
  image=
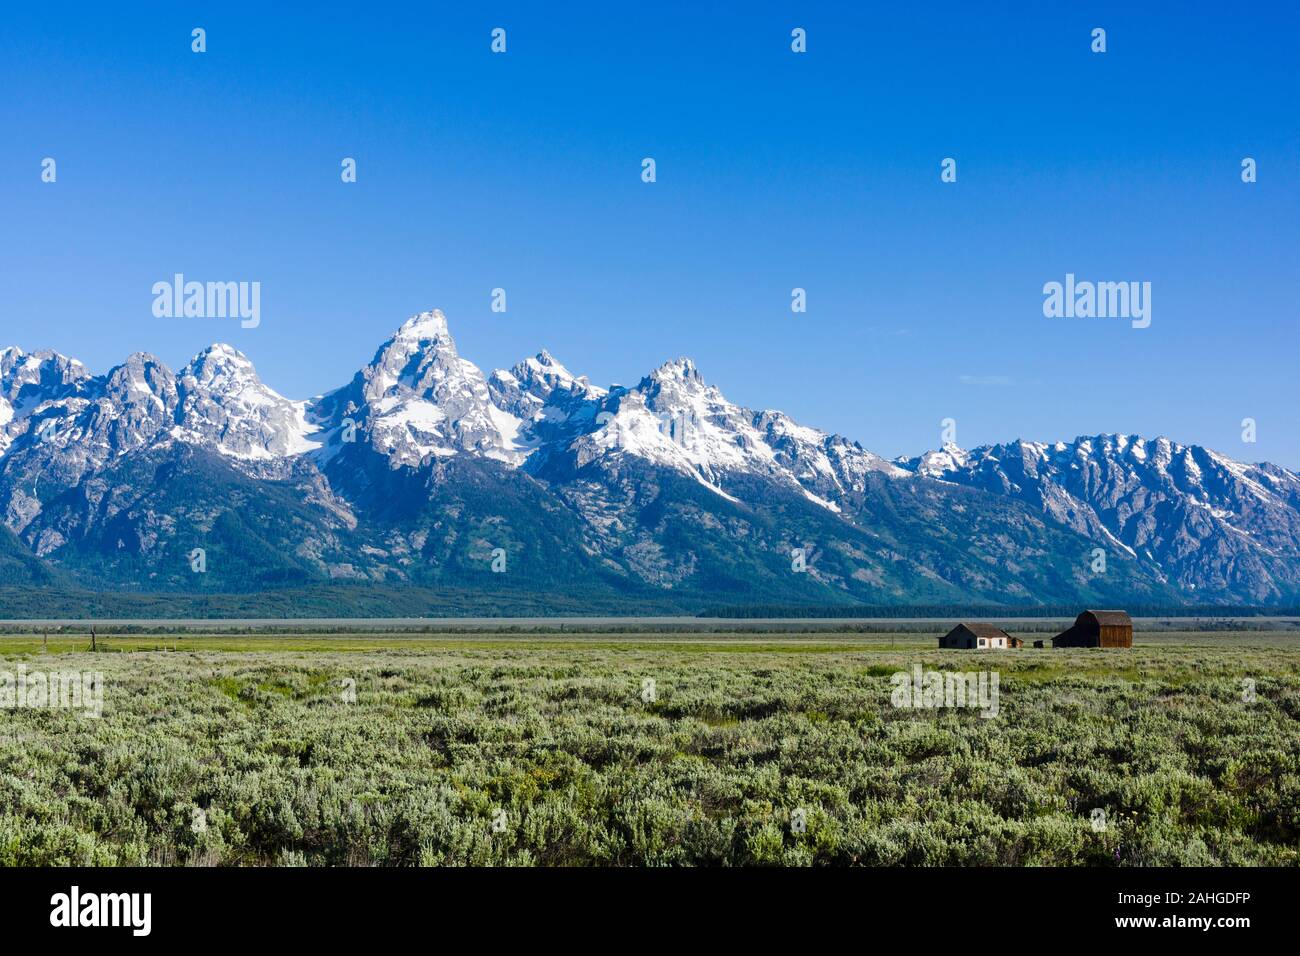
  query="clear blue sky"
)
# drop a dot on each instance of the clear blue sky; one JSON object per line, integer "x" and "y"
{"x": 775, "y": 170}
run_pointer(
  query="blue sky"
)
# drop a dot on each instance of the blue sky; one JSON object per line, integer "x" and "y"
{"x": 775, "y": 170}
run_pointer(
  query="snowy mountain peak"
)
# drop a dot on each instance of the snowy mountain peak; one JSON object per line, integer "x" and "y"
{"x": 141, "y": 374}
{"x": 938, "y": 464}
{"x": 224, "y": 404}
{"x": 421, "y": 358}
{"x": 218, "y": 362}
{"x": 676, "y": 420}
{"x": 544, "y": 373}
{"x": 545, "y": 364}
{"x": 32, "y": 376}
{"x": 28, "y": 382}
{"x": 419, "y": 400}
{"x": 221, "y": 351}
{"x": 424, "y": 326}
{"x": 682, "y": 368}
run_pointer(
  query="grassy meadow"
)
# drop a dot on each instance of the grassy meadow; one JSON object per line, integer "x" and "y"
{"x": 398, "y": 750}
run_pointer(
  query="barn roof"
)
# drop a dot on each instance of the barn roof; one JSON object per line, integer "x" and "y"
{"x": 1111, "y": 618}
{"x": 983, "y": 630}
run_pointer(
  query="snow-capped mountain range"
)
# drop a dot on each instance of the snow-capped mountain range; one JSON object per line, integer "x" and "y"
{"x": 1210, "y": 523}
{"x": 421, "y": 464}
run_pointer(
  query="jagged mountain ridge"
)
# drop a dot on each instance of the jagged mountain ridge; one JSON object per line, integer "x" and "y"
{"x": 1209, "y": 522}
{"x": 397, "y": 476}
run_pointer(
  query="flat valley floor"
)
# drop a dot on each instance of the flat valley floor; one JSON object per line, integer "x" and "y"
{"x": 651, "y": 749}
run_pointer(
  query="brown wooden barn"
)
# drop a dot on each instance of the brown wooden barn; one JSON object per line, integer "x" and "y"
{"x": 968, "y": 635}
{"x": 1098, "y": 629}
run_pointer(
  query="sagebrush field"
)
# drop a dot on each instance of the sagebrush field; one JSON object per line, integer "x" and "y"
{"x": 486, "y": 750}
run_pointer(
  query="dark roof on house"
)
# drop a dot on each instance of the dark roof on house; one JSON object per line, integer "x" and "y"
{"x": 983, "y": 630}
{"x": 1110, "y": 618}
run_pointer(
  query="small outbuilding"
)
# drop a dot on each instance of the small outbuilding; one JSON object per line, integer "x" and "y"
{"x": 968, "y": 635}
{"x": 1098, "y": 629}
